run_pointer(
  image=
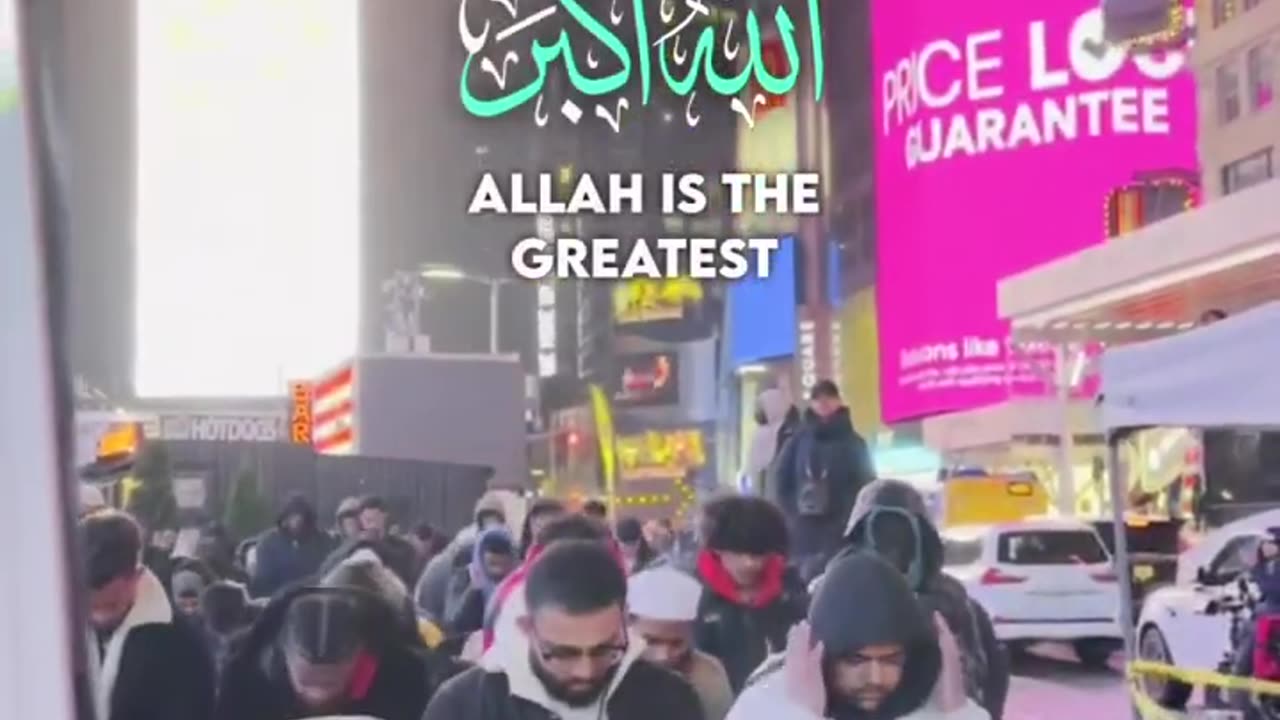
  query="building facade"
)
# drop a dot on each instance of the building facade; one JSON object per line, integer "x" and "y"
{"x": 1235, "y": 60}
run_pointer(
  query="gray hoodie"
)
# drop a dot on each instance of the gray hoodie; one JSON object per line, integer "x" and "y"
{"x": 772, "y": 405}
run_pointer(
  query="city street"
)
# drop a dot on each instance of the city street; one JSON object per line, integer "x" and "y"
{"x": 1051, "y": 685}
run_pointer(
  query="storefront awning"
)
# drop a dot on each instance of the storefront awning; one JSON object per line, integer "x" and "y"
{"x": 996, "y": 426}
{"x": 1161, "y": 279}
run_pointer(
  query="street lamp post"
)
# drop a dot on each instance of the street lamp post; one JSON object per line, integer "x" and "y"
{"x": 443, "y": 272}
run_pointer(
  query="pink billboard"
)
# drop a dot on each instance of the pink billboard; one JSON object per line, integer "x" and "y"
{"x": 1002, "y": 129}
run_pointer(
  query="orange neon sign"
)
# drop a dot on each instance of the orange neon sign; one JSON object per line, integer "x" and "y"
{"x": 300, "y": 418}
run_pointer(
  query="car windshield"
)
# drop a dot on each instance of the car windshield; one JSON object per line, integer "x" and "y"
{"x": 1051, "y": 547}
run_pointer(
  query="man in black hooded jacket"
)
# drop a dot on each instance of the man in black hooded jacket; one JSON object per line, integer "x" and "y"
{"x": 291, "y": 552}
{"x": 891, "y": 659}
{"x": 891, "y": 519}
{"x": 816, "y": 476}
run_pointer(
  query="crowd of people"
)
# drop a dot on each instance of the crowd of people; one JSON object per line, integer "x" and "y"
{"x": 574, "y": 615}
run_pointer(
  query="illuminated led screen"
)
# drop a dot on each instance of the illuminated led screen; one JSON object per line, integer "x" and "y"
{"x": 248, "y": 194}
{"x": 1003, "y": 130}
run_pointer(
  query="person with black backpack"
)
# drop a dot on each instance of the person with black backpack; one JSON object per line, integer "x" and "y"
{"x": 817, "y": 475}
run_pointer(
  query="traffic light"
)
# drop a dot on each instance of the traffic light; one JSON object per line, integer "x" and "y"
{"x": 569, "y": 444}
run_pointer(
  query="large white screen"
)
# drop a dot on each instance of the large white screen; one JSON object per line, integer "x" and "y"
{"x": 248, "y": 194}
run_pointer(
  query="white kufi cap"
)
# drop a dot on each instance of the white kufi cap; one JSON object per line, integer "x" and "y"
{"x": 665, "y": 594}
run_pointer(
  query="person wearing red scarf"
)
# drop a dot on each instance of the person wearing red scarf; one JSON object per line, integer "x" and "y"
{"x": 750, "y": 598}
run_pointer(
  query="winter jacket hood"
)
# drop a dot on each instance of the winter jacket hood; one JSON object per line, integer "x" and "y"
{"x": 887, "y": 614}
{"x": 432, "y": 588}
{"x": 479, "y": 578}
{"x": 512, "y": 659}
{"x": 298, "y": 505}
{"x": 890, "y": 517}
{"x": 285, "y": 558}
{"x": 772, "y": 406}
{"x": 502, "y": 687}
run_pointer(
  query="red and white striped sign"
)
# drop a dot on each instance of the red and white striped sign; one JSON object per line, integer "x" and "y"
{"x": 333, "y": 413}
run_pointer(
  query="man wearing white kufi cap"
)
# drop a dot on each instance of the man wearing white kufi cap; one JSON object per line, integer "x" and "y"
{"x": 663, "y": 603}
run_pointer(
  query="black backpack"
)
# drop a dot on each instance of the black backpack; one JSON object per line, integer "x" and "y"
{"x": 813, "y": 468}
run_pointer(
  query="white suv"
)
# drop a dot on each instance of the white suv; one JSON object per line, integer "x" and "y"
{"x": 1041, "y": 579}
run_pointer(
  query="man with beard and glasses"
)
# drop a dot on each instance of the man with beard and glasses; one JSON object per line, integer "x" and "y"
{"x": 869, "y": 651}
{"x": 576, "y": 659}
{"x": 891, "y": 519}
{"x": 663, "y": 603}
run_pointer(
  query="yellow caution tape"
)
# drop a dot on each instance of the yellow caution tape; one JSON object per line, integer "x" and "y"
{"x": 1150, "y": 710}
{"x": 1204, "y": 677}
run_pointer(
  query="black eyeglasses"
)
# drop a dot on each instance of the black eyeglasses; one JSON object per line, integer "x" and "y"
{"x": 607, "y": 653}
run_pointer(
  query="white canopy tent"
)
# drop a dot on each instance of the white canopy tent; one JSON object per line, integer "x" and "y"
{"x": 1218, "y": 375}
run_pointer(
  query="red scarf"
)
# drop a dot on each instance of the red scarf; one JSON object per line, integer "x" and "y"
{"x": 362, "y": 675}
{"x": 717, "y": 578}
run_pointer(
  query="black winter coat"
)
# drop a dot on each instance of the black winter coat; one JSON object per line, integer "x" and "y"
{"x": 165, "y": 673}
{"x": 285, "y": 559}
{"x": 828, "y": 456}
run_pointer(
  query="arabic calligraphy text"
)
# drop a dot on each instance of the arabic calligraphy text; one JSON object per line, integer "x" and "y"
{"x": 736, "y": 61}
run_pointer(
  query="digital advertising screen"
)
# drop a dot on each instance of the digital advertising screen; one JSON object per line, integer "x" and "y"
{"x": 1003, "y": 131}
